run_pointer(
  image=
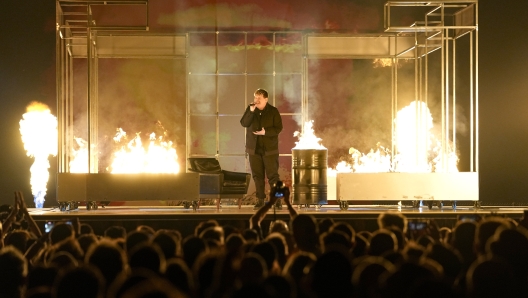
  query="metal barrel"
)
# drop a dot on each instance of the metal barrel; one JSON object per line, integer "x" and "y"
{"x": 309, "y": 167}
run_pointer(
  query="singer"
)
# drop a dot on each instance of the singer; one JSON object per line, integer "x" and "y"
{"x": 263, "y": 125}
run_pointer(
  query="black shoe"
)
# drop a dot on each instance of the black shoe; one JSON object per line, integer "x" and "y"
{"x": 260, "y": 203}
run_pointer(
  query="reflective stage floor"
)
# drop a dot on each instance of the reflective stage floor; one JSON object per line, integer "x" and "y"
{"x": 361, "y": 217}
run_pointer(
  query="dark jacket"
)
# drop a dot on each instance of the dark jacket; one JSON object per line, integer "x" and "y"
{"x": 271, "y": 121}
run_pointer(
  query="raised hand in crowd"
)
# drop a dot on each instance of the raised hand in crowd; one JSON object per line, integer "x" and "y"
{"x": 277, "y": 192}
{"x": 287, "y": 202}
{"x": 11, "y": 218}
{"x": 32, "y": 225}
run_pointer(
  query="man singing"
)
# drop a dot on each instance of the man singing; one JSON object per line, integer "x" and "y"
{"x": 263, "y": 124}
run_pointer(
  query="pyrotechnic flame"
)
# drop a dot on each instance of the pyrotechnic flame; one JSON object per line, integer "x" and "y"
{"x": 382, "y": 62}
{"x": 413, "y": 125}
{"x": 451, "y": 159}
{"x": 378, "y": 161}
{"x": 79, "y": 161}
{"x": 343, "y": 167}
{"x": 417, "y": 149}
{"x": 307, "y": 139}
{"x": 39, "y": 135}
{"x": 159, "y": 157}
{"x": 387, "y": 62}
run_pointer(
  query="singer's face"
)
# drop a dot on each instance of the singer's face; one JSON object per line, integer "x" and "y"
{"x": 260, "y": 101}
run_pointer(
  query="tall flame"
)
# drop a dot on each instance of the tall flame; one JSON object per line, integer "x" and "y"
{"x": 417, "y": 148}
{"x": 307, "y": 139}
{"x": 413, "y": 125}
{"x": 38, "y": 128}
{"x": 79, "y": 161}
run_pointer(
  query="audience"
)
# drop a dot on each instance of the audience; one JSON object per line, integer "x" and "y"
{"x": 301, "y": 257}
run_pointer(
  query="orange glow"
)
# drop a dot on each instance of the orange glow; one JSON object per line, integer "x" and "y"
{"x": 132, "y": 157}
{"x": 417, "y": 148}
{"x": 158, "y": 157}
{"x": 373, "y": 162}
{"x": 307, "y": 139}
{"x": 38, "y": 128}
{"x": 79, "y": 161}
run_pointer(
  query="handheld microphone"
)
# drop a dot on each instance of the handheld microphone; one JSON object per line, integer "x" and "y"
{"x": 252, "y": 104}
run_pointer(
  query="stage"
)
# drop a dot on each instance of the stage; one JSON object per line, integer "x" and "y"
{"x": 361, "y": 217}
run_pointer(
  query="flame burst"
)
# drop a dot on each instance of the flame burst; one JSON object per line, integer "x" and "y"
{"x": 79, "y": 161}
{"x": 417, "y": 148}
{"x": 378, "y": 161}
{"x": 413, "y": 125}
{"x": 307, "y": 139}
{"x": 38, "y": 128}
{"x": 131, "y": 157}
{"x": 158, "y": 157}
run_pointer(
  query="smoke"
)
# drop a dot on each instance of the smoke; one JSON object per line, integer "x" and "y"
{"x": 350, "y": 103}
{"x": 223, "y": 14}
{"x": 359, "y": 15}
{"x": 139, "y": 95}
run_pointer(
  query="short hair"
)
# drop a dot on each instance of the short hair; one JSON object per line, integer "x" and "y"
{"x": 382, "y": 241}
{"x": 168, "y": 242}
{"x": 215, "y": 233}
{"x": 486, "y": 229}
{"x": 387, "y": 219}
{"x": 61, "y": 231}
{"x": 262, "y": 92}
{"x": 115, "y": 232}
{"x": 345, "y": 228}
{"x": 325, "y": 224}
{"x": 18, "y": 239}
{"x": 86, "y": 229}
{"x": 134, "y": 238}
{"x": 146, "y": 255}
{"x": 13, "y": 270}
{"x": 335, "y": 239}
{"x": 267, "y": 251}
{"x": 278, "y": 226}
{"x": 84, "y": 280}
{"x": 109, "y": 257}
{"x": 204, "y": 225}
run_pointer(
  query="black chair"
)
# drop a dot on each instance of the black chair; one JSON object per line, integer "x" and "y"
{"x": 217, "y": 183}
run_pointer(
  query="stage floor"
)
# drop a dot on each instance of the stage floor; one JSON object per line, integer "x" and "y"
{"x": 362, "y": 217}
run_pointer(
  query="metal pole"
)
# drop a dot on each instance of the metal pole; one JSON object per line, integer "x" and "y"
{"x": 59, "y": 86}
{"x": 187, "y": 101}
{"x": 476, "y": 93}
{"x": 454, "y": 96}
{"x": 417, "y": 111}
{"x": 69, "y": 111}
{"x": 471, "y": 105}
{"x": 89, "y": 91}
{"x": 217, "y": 111}
{"x": 443, "y": 81}
{"x": 445, "y": 142}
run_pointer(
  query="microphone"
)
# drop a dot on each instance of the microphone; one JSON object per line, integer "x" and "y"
{"x": 252, "y": 104}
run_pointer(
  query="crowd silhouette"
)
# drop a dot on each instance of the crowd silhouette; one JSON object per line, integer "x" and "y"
{"x": 305, "y": 257}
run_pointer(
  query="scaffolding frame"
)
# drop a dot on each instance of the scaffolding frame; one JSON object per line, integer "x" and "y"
{"x": 444, "y": 23}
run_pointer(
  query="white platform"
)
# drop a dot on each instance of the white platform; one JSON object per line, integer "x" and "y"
{"x": 407, "y": 186}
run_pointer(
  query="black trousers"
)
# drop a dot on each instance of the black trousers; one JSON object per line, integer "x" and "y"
{"x": 264, "y": 166}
